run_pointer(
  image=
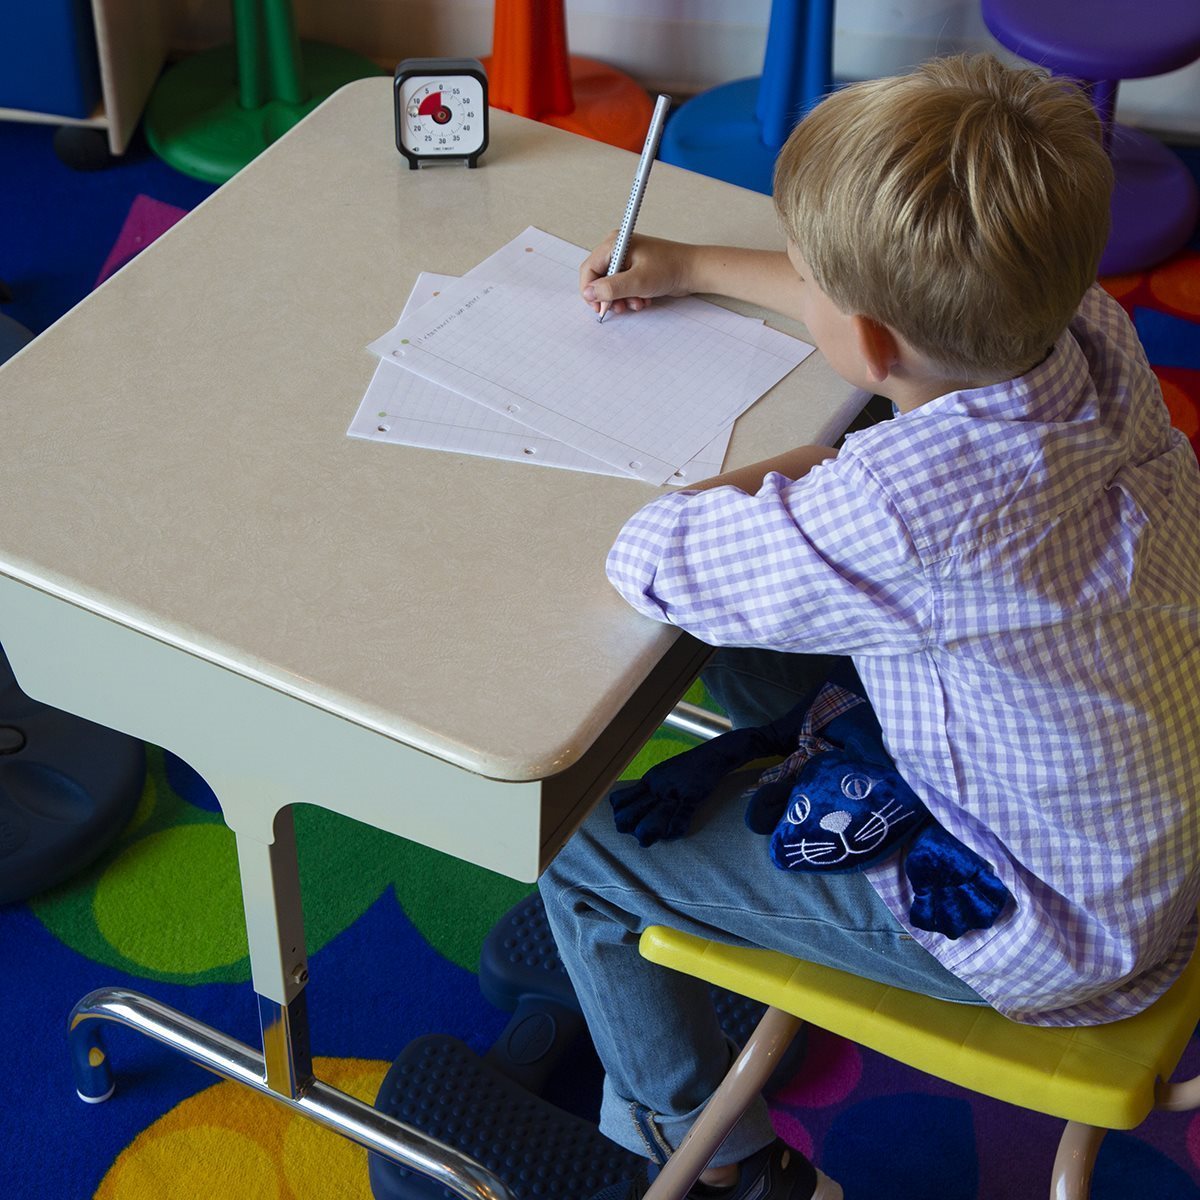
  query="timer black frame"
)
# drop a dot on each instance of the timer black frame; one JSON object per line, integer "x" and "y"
{"x": 448, "y": 68}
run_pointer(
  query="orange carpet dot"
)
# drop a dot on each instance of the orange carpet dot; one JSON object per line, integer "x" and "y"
{"x": 1185, "y": 415}
{"x": 1177, "y": 284}
{"x": 1120, "y": 286}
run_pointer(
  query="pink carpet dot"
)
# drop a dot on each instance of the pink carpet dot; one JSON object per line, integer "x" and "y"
{"x": 831, "y": 1070}
{"x": 1193, "y": 1139}
{"x": 793, "y": 1132}
{"x": 147, "y": 218}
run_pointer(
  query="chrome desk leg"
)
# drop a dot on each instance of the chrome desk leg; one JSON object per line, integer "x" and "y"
{"x": 283, "y": 1070}
{"x": 699, "y": 722}
{"x": 225, "y": 1056}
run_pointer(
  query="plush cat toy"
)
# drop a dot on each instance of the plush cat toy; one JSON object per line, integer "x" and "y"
{"x": 836, "y": 803}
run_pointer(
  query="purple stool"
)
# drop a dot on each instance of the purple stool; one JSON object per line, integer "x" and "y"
{"x": 1100, "y": 42}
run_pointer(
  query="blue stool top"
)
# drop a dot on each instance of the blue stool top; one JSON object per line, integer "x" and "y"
{"x": 1099, "y": 39}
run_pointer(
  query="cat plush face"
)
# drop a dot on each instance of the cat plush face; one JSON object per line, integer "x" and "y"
{"x": 843, "y": 814}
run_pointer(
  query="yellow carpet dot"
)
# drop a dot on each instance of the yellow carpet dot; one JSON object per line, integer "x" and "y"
{"x": 311, "y": 1152}
{"x": 231, "y": 1141}
{"x": 184, "y": 1164}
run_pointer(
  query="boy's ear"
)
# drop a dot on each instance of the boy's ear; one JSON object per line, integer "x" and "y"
{"x": 877, "y": 345}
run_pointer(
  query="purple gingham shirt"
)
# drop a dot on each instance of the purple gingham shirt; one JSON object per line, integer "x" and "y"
{"x": 1015, "y": 570}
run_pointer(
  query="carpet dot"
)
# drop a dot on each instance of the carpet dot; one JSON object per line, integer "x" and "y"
{"x": 312, "y": 1152}
{"x": 186, "y": 1163}
{"x": 1120, "y": 286}
{"x": 1178, "y": 284}
{"x": 831, "y": 1070}
{"x": 905, "y": 1147}
{"x": 793, "y": 1131}
{"x": 230, "y": 1141}
{"x": 145, "y": 902}
{"x": 1193, "y": 1139}
{"x": 147, "y": 805}
{"x": 1127, "y": 1166}
{"x": 1185, "y": 415}
{"x": 188, "y": 783}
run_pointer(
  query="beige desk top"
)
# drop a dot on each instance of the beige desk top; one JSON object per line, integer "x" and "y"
{"x": 174, "y": 453}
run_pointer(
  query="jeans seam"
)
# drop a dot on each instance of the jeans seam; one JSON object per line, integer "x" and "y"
{"x": 899, "y": 933}
{"x": 656, "y": 1145}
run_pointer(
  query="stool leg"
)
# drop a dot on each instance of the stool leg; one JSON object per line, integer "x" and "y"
{"x": 1103, "y": 94}
{"x": 1077, "y": 1150}
{"x": 745, "y": 1080}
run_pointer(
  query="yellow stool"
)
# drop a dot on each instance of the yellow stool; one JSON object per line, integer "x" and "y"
{"x": 1097, "y": 1077}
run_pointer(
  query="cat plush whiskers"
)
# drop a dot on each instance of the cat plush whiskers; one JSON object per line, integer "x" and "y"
{"x": 863, "y": 840}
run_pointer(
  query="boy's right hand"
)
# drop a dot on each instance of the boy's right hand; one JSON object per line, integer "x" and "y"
{"x": 653, "y": 267}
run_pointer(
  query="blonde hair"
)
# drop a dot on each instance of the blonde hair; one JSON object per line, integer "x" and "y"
{"x": 964, "y": 205}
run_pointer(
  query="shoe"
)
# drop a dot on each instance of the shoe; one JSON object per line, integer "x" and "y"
{"x": 776, "y": 1172}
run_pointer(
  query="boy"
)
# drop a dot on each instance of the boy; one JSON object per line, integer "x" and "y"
{"x": 1012, "y": 563}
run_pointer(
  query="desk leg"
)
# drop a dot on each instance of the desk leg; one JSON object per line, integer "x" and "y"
{"x": 696, "y": 721}
{"x": 278, "y": 957}
{"x": 283, "y": 1070}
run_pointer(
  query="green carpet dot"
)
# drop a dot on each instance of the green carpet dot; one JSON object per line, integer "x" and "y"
{"x": 147, "y": 805}
{"x": 145, "y": 904}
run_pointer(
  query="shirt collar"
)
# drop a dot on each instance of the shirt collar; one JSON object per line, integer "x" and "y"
{"x": 1046, "y": 392}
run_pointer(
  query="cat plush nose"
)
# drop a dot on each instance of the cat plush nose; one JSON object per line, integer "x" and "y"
{"x": 835, "y": 822}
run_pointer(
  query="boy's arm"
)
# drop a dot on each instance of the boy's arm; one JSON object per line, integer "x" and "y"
{"x": 792, "y": 464}
{"x": 655, "y": 267}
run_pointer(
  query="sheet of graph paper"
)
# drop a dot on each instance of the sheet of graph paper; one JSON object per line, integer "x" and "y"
{"x": 402, "y": 407}
{"x": 644, "y": 393}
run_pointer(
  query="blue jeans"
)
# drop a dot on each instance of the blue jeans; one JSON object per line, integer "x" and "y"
{"x": 655, "y": 1030}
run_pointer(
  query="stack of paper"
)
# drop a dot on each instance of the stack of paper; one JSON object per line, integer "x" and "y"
{"x": 508, "y": 362}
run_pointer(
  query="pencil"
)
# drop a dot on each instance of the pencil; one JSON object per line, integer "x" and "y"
{"x": 653, "y": 136}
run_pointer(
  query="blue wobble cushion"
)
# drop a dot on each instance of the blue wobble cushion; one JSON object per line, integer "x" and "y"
{"x": 67, "y": 788}
{"x": 540, "y": 1152}
{"x": 518, "y": 958}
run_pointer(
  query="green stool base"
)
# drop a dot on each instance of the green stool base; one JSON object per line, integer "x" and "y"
{"x": 195, "y": 123}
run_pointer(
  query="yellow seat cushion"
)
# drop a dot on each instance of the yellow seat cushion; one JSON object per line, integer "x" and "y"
{"x": 1101, "y": 1075}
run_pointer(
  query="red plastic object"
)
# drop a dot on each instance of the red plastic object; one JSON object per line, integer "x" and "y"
{"x": 531, "y": 73}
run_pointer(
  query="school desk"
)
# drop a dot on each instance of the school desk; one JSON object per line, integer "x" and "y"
{"x": 194, "y": 552}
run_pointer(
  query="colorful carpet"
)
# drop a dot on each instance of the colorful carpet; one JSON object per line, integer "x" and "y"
{"x": 161, "y": 913}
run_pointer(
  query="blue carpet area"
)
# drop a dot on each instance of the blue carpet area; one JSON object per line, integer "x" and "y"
{"x": 58, "y": 225}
